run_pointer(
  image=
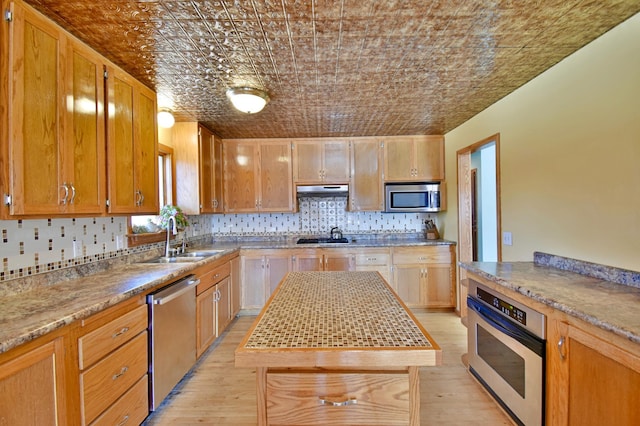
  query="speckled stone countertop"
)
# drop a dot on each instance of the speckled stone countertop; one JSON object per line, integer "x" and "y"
{"x": 33, "y": 306}
{"x": 605, "y": 304}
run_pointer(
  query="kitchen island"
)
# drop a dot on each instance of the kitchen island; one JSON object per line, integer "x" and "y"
{"x": 337, "y": 348}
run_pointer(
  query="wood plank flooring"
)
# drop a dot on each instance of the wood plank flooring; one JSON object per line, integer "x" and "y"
{"x": 217, "y": 393}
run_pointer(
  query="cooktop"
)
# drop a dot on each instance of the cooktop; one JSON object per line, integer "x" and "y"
{"x": 322, "y": 240}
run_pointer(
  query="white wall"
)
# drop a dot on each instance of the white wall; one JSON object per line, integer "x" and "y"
{"x": 570, "y": 156}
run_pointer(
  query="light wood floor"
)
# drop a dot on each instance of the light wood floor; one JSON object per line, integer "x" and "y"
{"x": 217, "y": 393}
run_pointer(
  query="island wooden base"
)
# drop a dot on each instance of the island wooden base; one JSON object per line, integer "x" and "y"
{"x": 337, "y": 397}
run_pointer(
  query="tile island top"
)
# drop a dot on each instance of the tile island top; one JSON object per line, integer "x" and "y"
{"x": 329, "y": 318}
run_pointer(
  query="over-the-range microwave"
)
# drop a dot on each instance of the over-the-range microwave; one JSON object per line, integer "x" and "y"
{"x": 412, "y": 197}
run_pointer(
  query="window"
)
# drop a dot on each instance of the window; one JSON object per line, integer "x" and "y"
{"x": 141, "y": 225}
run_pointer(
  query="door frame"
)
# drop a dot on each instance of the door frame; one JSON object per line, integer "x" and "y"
{"x": 465, "y": 241}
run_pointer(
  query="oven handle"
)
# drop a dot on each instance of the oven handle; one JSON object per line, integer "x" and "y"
{"x": 507, "y": 327}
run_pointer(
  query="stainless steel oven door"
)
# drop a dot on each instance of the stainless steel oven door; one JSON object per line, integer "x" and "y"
{"x": 506, "y": 366}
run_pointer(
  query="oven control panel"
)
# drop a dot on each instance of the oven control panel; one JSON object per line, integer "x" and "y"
{"x": 508, "y": 309}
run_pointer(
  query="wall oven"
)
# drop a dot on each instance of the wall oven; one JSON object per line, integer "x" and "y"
{"x": 412, "y": 197}
{"x": 507, "y": 352}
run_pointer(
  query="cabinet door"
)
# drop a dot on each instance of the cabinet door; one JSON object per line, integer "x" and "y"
{"x": 276, "y": 182}
{"x": 339, "y": 262}
{"x": 365, "y": 192}
{"x": 409, "y": 284}
{"x": 37, "y": 98}
{"x": 438, "y": 288}
{"x": 131, "y": 146}
{"x": 308, "y": 161}
{"x": 309, "y": 262}
{"x": 429, "y": 156}
{"x": 277, "y": 268}
{"x": 236, "y": 295}
{"x": 205, "y": 320}
{"x": 207, "y": 170}
{"x": 223, "y": 305}
{"x": 85, "y": 173}
{"x": 146, "y": 150}
{"x": 122, "y": 192}
{"x": 32, "y": 387}
{"x": 241, "y": 174}
{"x": 335, "y": 162}
{"x": 591, "y": 381}
{"x": 399, "y": 159}
{"x": 253, "y": 282}
{"x": 218, "y": 206}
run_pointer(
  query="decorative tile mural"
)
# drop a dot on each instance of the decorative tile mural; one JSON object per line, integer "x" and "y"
{"x": 34, "y": 246}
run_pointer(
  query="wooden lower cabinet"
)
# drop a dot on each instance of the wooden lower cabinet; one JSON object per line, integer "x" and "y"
{"x": 592, "y": 378}
{"x": 112, "y": 364}
{"x": 337, "y": 398}
{"x": 262, "y": 271}
{"x": 213, "y": 303}
{"x": 374, "y": 259}
{"x": 424, "y": 277}
{"x": 32, "y": 384}
{"x": 236, "y": 289}
{"x": 324, "y": 260}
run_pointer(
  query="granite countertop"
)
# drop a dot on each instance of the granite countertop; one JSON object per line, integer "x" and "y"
{"x": 609, "y": 305}
{"x": 325, "y": 312}
{"x": 43, "y": 303}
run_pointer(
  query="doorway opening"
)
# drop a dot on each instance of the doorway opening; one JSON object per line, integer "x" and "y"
{"x": 479, "y": 221}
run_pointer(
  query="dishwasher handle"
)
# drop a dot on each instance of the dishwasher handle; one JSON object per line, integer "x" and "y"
{"x": 174, "y": 290}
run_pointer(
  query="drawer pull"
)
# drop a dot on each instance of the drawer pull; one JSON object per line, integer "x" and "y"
{"x": 350, "y": 401}
{"x": 120, "y": 333}
{"x": 125, "y": 419}
{"x": 121, "y": 373}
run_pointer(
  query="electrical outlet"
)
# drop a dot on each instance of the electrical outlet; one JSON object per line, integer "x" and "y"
{"x": 77, "y": 248}
{"x": 507, "y": 239}
{"x": 119, "y": 242}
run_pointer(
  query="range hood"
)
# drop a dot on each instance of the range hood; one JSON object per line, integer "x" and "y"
{"x": 322, "y": 190}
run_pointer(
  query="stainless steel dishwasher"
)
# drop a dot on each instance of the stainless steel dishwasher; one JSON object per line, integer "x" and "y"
{"x": 172, "y": 345}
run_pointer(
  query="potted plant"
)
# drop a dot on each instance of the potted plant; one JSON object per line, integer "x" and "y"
{"x": 173, "y": 211}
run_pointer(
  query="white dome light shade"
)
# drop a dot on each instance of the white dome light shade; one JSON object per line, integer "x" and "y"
{"x": 165, "y": 119}
{"x": 247, "y": 99}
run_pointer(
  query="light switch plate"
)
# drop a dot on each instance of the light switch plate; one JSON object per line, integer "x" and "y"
{"x": 507, "y": 238}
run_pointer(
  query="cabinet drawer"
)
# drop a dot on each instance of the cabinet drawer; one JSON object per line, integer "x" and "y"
{"x": 364, "y": 259}
{"x": 132, "y": 407}
{"x": 105, "y": 339}
{"x": 213, "y": 277}
{"x": 374, "y": 398}
{"x": 408, "y": 255}
{"x": 106, "y": 381}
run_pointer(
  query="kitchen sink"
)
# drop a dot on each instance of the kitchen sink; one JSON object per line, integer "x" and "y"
{"x": 322, "y": 241}
{"x": 192, "y": 256}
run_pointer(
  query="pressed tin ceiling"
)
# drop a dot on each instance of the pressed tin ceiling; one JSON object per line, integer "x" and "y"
{"x": 336, "y": 67}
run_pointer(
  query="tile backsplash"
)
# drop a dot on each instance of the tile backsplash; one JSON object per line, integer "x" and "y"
{"x": 34, "y": 246}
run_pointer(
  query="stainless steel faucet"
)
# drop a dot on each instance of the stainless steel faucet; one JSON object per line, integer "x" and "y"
{"x": 175, "y": 232}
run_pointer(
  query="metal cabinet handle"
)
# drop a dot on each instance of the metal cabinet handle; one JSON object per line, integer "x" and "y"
{"x": 125, "y": 419}
{"x": 121, "y": 373}
{"x": 561, "y": 348}
{"x": 66, "y": 194}
{"x": 73, "y": 193}
{"x": 120, "y": 333}
{"x": 351, "y": 401}
{"x": 141, "y": 198}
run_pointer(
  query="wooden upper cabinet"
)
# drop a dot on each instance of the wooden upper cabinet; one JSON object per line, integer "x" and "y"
{"x": 198, "y": 168}
{"x": 321, "y": 161}
{"x": 365, "y": 187}
{"x": 132, "y": 145}
{"x": 414, "y": 158}
{"x": 257, "y": 176}
{"x": 56, "y": 120}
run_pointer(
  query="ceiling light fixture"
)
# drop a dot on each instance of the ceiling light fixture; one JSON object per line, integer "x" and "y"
{"x": 248, "y": 99}
{"x": 165, "y": 118}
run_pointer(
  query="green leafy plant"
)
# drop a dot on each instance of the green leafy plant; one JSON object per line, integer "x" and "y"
{"x": 172, "y": 211}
